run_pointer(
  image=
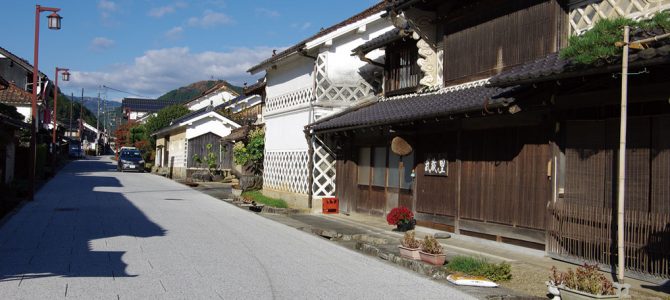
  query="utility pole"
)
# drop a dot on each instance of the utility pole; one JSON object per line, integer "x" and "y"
{"x": 97, "y": 127}
{"x": 71, "y": 105}
{"x": 81, "y": 120}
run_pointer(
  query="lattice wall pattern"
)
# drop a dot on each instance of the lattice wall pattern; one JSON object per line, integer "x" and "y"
{"x": 286, "y": 171}
{"x": 324, "y": 172}
{"x": 326, "y": 91}
{"x": 297, "y": 97}
{"x": 582, "y": 18}
{"x": 440, "y": 65}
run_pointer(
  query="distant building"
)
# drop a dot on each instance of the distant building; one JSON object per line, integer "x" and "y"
{"x": 137, "y": 108}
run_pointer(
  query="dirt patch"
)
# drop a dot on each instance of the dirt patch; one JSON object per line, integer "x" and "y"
{"x": 527, "y": 279}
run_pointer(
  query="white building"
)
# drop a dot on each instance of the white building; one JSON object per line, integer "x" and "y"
{"x": 215, "y": 96}
{"x": 305, "y": 82}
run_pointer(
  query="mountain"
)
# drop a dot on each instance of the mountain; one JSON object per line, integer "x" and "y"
{"x": 196, "y": 89}
{"x": 91, "y": 103}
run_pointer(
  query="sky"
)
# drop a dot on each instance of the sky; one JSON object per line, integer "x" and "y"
{"x": 146, "y": 48}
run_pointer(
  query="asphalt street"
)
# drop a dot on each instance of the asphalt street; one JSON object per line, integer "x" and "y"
{"x": 94, "y": 233}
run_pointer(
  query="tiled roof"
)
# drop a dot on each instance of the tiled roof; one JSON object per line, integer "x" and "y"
{"x": 13, "y": 122}
{"x": 295, "y": 48}
{"x": 146, "y": 105}
{"x": 22, "y": 62}
{"x": 554, "y": 67}
{"x": 237, "y": 134}
{"x": 14, "y": 95}
{"x": 259, "y": 85}
{"x": 378, "y": 42}
{"x": 417, "y": 107}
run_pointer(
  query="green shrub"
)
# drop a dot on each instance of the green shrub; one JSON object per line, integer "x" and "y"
{"x": 480, "y": 267}
{"x": 598, "y": 44}
{"x": 260, "y": 198}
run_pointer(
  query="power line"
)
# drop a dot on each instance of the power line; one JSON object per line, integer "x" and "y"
{"x": 120, "y": 91}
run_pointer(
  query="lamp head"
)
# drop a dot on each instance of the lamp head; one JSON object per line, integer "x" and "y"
{"x": 54, "y": 21}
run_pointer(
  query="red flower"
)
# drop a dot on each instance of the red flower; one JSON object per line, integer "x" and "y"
{"x": 399, "y": 215}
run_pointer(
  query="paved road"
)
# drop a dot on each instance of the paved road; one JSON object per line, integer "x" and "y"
{"x": 93, "y": 233}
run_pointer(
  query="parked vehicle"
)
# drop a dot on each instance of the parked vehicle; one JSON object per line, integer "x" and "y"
{"x": 130, "y": 160}
{"x": 75, "y": 151}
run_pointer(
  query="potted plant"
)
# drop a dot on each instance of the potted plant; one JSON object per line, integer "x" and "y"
{"x": 588, "y": 283}
{"x": 402, "y": 218}
{"x": 555, "y": 280}
{"x": 409, "y": 246}
{"x": 432, "y": 252}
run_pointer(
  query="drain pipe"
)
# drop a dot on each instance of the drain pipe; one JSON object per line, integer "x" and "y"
{"x": 310, "y": 166}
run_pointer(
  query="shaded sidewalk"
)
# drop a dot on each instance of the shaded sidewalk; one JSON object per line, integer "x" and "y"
{"x": 373, "y": 236}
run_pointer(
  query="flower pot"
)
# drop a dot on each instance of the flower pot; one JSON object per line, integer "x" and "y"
{"x": 433, "y": 259}
{"x": 552, "y": 290}
{"x": 402, "y": 227}
{"x": 409, "y": 253}
{"x": 570, "y": 294}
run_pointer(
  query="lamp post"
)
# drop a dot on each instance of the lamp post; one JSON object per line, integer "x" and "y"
{"x": 54, "y": 23}
{"x": 66, "y": 77}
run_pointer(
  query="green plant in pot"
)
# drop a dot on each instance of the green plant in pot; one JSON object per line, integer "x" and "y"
{"x": 409, "y": 246}
{"x": 432, "y": 252}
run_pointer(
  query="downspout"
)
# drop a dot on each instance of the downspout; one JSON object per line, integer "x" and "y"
{"x": 310, "y": 146}
{"x": 310, "y": 165}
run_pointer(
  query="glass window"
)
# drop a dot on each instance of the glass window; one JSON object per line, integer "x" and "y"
{"x": 379, "y": 172}
{"x": 364, "y": 166}
{"x": 394, "y": 175}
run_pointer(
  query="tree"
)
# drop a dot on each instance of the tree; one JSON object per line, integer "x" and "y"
{"x": 251, "y": 153}
{"x": 162, "y": 119}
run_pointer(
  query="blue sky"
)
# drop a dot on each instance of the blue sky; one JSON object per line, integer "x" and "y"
{"x": 148, "y": 47}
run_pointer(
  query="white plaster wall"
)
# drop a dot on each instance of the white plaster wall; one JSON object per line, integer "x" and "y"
{"x": 342, "y": 67}
{"x": 134, "y": 115}
{"x": 25, "y": 111}
{"x": 293, "y": 75}
{"x": 177, "y": 150}
{"x": 214, "y": 98}
{"x": 285, "y": 132}
{"x": 206, "y": 125}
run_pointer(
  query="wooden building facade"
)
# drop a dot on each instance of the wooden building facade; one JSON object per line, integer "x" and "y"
{"x": 526, "y": 157}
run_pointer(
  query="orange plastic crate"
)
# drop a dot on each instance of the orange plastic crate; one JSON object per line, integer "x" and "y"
{"x": 330, "y": 205}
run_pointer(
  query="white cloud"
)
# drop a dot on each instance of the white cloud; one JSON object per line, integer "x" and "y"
{"x": 107, "y": 5}
{"x": 158, "y": 12}
{"x": 161, "y": 70}
{"x": 101, "y": 43}
{"x": 267, "y": 12}
{"x": 174, "y": 33}
{"x": 106, "y": 8}
{"x": 303, "y": 26}
{"x": 210, "y": 19}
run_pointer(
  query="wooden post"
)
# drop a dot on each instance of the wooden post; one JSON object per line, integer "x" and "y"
{"x": 622, "y": 159}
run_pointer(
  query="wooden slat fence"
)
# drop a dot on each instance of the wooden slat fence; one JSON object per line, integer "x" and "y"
{"x": 582, "y": 224}
{"x": 587, "y": 233}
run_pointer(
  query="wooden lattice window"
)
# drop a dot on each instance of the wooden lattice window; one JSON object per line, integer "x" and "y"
{"x": 402, "y": 73}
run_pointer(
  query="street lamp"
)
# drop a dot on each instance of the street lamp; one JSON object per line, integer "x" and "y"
{"x": 66, "y": 77}
{"x": 54, "y": 23}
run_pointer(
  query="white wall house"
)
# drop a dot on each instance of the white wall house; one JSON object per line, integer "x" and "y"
{"x": 175, "y": 143}
{"x": 308, "y": 81}
{"x": 215, "y": 96}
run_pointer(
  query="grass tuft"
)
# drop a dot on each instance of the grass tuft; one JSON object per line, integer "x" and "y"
{"x": 480, "y": 267}
{"x": 260, "y": 198}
